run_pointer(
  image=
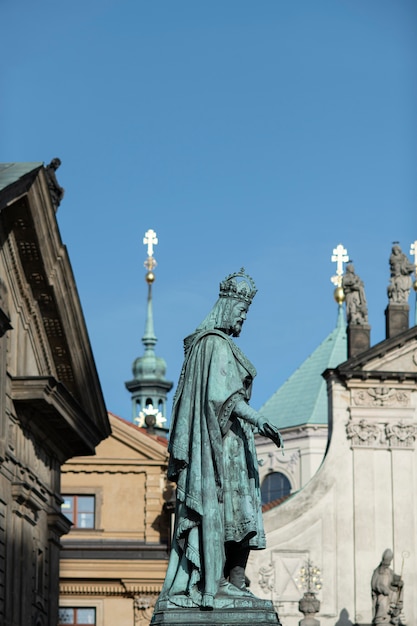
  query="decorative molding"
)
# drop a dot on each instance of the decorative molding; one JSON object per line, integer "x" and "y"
{"x": 113, "y": 588}
{"x": 401, "y": 435}
{"x": 143, "y": 607}
{"x": 278, "y": 579}
{"x": 363, "y": 433}
{"x": 28, "y": 501}
{"x": 267, "y": 578}
{"x": 381, "y": 396}
{"x": 27, "y": 308}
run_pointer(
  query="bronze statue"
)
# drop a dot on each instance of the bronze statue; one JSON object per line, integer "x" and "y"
{"x": 386, "y": 592}
{"x": 213, "y": 459}
{"x": 401, "y": 269}
{"x": 353, "y": 288}
{"x": 56, "y": 191}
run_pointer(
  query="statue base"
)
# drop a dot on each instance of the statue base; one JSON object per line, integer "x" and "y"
{"x": 396, "y": 319}
{"x": 233, "y": 612}
{"x": 359, "y": 338}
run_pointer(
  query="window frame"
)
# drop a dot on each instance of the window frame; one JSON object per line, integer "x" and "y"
{"x": 76, "y": 609}
{"x": 83, "y": 492}
{"x": 76, "y": 603}
{"x": 266, "y": 478}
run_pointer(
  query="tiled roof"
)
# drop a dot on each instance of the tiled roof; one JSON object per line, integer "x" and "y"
{"x": 302, "y": 399}
{"x": 158, "y": 438}
{"x": 11, "y": 172}
{"x": 271, "y": 505}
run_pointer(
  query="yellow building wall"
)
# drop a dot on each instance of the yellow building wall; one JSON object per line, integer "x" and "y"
{"x": 119, "y": 566}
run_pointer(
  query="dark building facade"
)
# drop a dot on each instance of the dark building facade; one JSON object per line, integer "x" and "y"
{"x": 51, "y": 403}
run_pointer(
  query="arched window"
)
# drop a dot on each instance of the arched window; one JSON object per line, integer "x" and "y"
{"x": 274, "y": 486}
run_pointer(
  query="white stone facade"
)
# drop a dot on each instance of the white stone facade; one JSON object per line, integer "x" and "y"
{"x": 362, "y": 500}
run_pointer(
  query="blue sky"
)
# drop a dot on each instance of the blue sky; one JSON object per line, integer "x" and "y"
{"x": 256, "y": 134}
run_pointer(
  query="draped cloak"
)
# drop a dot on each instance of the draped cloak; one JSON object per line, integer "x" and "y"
{"x": 213, "y": 461}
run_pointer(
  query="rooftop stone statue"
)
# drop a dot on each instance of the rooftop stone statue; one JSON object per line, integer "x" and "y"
{"x": 354, "y": 290}
{"x": 401, "y": 269}
{"x": 56, "y": 191}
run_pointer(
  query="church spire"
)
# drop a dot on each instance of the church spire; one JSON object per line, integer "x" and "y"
{"x": 149, "y": 386}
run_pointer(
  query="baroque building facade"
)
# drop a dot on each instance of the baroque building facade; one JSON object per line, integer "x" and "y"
{"x": 51, "y": 404}
{"x": 362, "y": 500}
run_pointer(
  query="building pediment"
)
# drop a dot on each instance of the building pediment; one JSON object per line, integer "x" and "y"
{"x": 128, "y": 445}
{"x": 393, "y": 358}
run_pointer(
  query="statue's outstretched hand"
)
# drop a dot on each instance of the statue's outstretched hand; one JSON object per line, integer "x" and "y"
{"x": 267, "y": 429}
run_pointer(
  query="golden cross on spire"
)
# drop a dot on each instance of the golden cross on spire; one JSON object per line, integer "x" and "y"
{"x": 339, "y": 257}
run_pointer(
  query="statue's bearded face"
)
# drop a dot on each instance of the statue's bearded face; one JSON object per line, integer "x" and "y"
{"x": 237, "y": 317}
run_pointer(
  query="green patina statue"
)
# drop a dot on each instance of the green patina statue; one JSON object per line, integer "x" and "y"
{"x": 213, "y": 460}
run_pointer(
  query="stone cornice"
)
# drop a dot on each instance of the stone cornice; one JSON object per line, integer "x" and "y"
{"x": 116, "y": 588}
{"x": 53, "y": 411}
{"x": 380, "y": 375}
{"x": 99, "y": 549}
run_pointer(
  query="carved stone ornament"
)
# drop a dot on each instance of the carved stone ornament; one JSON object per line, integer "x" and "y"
{"x": 267, "y": 578}
{"x": 143, "y": 607}
{"x": 398, "y": 435}
{"x": 363, "y": 433}
{"x": 276, "y": 461}
{"x": 401, "y": 435}
{"x": 381, "y": 396}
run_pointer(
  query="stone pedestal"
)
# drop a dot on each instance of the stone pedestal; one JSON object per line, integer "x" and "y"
{"x": 359, "y": 338}
{"x": 236, "y": 612}
{"x": 309, "y": 605}
{"x": 396, "y": 319}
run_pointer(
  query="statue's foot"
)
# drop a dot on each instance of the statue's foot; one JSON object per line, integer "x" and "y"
{"x": 245, "y": 590}
{"x": 227, "y": 590}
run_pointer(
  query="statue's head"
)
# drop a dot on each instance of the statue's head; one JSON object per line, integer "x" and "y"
{"x": 387, "y": 557}
{"x": 228, "y": 314}
{"x": 55, "y": 163}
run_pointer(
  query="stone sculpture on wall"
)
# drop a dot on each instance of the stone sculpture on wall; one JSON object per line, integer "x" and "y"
{"x": 386, "y": 590}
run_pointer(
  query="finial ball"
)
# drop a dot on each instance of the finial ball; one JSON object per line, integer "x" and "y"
{"x": 339, "y": 295}
{"x": 415, "y": 285}
{"x": 150, "y": 277}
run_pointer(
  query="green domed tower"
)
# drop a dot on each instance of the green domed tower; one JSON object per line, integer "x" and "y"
{"x": 149, "y": 386}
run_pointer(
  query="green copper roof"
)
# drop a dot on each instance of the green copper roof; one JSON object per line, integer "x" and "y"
{"x": 11, "y": 172}
{"x": 302, "y": 399}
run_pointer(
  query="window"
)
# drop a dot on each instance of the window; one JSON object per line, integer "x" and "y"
{"x": 76, "y": 616}
{"x": 274, "y": 486}
{"x": 80, "y": 510}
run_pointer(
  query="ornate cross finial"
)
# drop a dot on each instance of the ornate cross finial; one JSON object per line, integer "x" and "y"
{"x": 150, "y": 239}
{"x": 339, "y": 257}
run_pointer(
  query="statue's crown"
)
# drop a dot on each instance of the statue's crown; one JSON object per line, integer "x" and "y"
{"x": 239, "y": 286}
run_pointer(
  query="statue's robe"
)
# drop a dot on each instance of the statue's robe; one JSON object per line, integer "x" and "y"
{"x": 384, "y": 584}
{"x": 213, "y": 460}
